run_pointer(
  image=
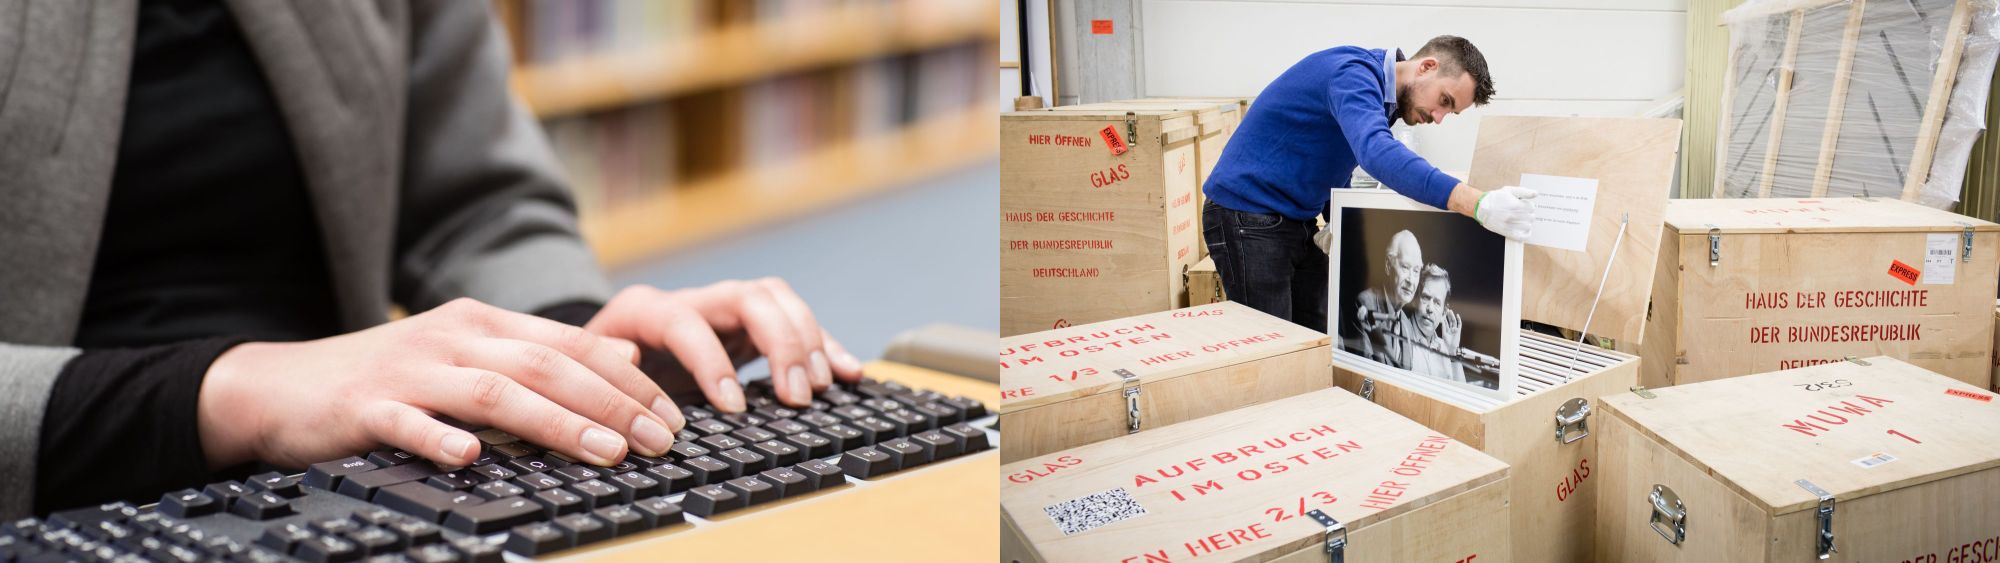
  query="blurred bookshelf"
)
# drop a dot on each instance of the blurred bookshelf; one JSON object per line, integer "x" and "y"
{"x": 679, "y": 121}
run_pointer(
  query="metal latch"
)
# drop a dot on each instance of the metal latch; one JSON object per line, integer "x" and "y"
{"x": 1368, "y": 389}
{"x": 1965, "y": 237}
{"x": 1856, "y": 360}
{"x": 1573, "y": 414}
{"x": 1826, "y": 549}
{"x": 1714, "y": 245}
{"x": 1131, "y": 128}
{"x": 1641, "y": 391}
{"x": 1336, "y": 536}
{"x": 1669, "y": 515}
{"x": 1131, "y": 399}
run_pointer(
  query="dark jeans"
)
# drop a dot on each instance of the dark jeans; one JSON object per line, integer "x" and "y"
{"x": 1268, "y": 262}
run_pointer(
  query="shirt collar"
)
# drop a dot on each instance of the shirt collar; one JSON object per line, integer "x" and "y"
{"x": 1389, "y": 60}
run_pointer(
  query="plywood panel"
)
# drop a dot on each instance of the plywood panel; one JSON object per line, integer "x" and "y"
{"x": 1632, "y": 160}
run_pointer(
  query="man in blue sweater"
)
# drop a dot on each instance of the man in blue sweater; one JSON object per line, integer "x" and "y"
{"x": 1306, "y": 133}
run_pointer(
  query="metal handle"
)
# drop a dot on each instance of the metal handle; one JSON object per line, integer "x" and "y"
{"x": 1669, "y": 515}
{"x": 1574, "y": 414}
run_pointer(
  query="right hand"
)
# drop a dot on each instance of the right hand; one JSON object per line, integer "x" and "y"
{"x": 1507, "y": 211}
{"x": 296, "y": 403}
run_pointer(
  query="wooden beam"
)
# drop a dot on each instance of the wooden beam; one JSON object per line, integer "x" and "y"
{"x": 1837, "y": 104}
{"x": 1934, "y": 108}
{"x": 1784, "y": 95}
{"x": 1721, "y": 126}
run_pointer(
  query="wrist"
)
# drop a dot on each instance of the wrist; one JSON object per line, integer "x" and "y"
{"x": 1465, "y": 200}
{"x": 227, "y": 418}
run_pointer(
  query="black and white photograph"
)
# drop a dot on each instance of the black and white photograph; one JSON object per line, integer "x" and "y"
{"x": 1424, "y": 292}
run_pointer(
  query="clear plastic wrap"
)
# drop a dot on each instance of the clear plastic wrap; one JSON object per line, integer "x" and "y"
{"x": 1831, "y": 99}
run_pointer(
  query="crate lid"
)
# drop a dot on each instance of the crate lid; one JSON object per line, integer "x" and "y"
{"x": 1851, "y": 429}
{"x": 1136, "y": 494}
{"x": 1069, "y": 363}
{"x": 1827, "y": 215}
{"x": 1632, "y": 159}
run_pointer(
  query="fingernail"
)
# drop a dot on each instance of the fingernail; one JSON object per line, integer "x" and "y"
{"x": 603, "y": 444}
{"x": 821, "y": 374}
{"x": 848, "y": 362}
{"x": 800, "y": 391}
{"x": 670, "y": 413}
{"x": 731, "y": 398}
{"x": 652, "y": 437}
{"x": 456, "y": 446}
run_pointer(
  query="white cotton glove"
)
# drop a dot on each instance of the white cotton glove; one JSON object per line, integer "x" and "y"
{"x": 1506, "y": 211}
{"x": 1324, "y": 238}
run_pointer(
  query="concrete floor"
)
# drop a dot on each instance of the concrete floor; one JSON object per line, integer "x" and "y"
{"x": 870, "y": 269}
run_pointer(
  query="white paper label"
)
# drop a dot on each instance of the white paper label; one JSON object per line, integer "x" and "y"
{"x": 1871, "y": 461}
{"x": 1089, "y": 512}
{"x": 1563, "y": 208}
{"x": 1940, "y": 259}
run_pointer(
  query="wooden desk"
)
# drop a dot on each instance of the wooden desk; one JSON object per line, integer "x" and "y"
{"x": 940, "y": 512}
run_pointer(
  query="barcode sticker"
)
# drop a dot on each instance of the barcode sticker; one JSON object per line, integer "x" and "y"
{"x": 1093, "y": 511}
{"x": 1878, "y": 458}
{"x": 1940, "y": 259}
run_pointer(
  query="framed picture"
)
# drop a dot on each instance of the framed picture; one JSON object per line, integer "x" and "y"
{"x": 1424, "y": 295}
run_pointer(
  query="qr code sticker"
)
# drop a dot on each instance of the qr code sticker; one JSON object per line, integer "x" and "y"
{"x": 1094, "y": 510}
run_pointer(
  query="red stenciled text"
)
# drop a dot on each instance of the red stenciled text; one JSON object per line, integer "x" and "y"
{"x": 1823, "y": 420}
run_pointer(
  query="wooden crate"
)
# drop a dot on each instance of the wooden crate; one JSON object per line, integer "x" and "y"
{"x": 1786, "y": 276}
{"x": 1217, "y": 119}
{"x": 1910, "y": 458}
{"x": 1203, "y": 285}
{"x": 1069, "y": 387}
{"x": 1550, "y": 485}
{"x": 1088, "y": 235}
{"x": 1243, "y": 486}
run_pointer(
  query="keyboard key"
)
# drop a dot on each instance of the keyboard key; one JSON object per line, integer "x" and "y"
{"x": 538, "y": 481}
{"x": 644, "y": 461}
{"x": 974, "y": 410}
{"x": 813, "y": 445}
{"x": 674, "y": 477}
{"x": 414, "y": 531}
{"x": 622, "y": 520}
{"x": 866, "y": 462}
{"x": 226, "y": 491}
{"x": 742, "y": 419}
{"x": 633, "y": 485}
{"x": 938, "y": 443}
{"x": 819, "y": 419}
{"x": 378, "y": 516}
{"x": 839, "y": 397}
{"x": 188, "y": 503}
{"x": 707, "y": 470}
{"x": 495, "y": 472}
{"x": 434, "y": 553}
{"x": 970, "y": 439}
{"x": 386, "y": 458}
{"x": 787, "y": 427}
{"x": 498, "y": 490}
{"x": 495, "y": 436}
{"x": 721, "y": 442}
{"x": 710, "y": 500}
{"x": 775, "y": 412}
{"x": 686, "y": 435}
{"x": 513, "y": 450}
{"x": 363, "y": 485}
{"x": 336, "y": 525}
{"x": 454, "y": 480}
{"x": 939, "y": 413}
{"x": 263, "y": 505}
{"x": 284, "y": 485}
{"x": 876, "y": 429}
{"x": 559, "y": 459}
{"x": 478, "y": 551}
{"x": 754, "y": 435}
{"x": 908, "y": 454}
{"x": 536, "y": 539}
{"x": 744, "y": 462}
{"x": 623, "y": 467}
{"x": 557, "y": 502}
{"x": 576, "y": 473}
{"x": 789, "y": 483}
{"x": 596, "y": 493}
{"x": 325, "y": 548}
{"x": 710, "y": 427}
{"x": 824, "y": 475}
{"x": 494, "y": 516}
{"x": 326, "y": 476}
{"x": 685, "y": 450}
{"x": 659, "y": 512}
{"x": 529, "y": 464}
{"x": 282, "y": 538}
{"x": 909, "y": 421}
{"x": 425, "y": 502}
{"x": 376, "y": 541}
{"x": 780, "y": 453}
{"x": 583, "y": 529}
{"x": 755, "y": 490}
{"x": 852, "y": 412}
{"x": 883, "y": 405}
{"x": 87, "y": 517}
{"x": 845, "y": 437}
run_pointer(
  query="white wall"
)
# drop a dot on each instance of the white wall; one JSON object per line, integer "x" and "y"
{"x": 1038, "y": 47}
{"x": 1548, "y": 57}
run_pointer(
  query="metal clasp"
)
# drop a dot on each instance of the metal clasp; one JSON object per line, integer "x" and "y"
{"x": 1573, "y": 414}
{"x": 1714, "y": 245}
{"x": 1825, "y": 517}
{"x": 1131, "y": 380}
{"x": 1669, "y": 515}
{"x": 1965, "y": 237}
{"x": 1641, "y": 391}
{"x": 1131, "y": 128}
{"x": 1368, "y": 389}
{"x": 1336, "y": 536}
{"x": 1858, "y": 361}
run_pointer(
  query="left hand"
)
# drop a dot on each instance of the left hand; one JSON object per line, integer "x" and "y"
{"x": 1324, "y": 239}
{"x": 713, "y": 329}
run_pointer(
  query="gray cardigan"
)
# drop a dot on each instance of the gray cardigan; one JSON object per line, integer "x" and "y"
{"x": 430, "y": 182}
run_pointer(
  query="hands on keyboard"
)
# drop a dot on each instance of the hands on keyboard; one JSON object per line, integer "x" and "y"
{"x": 516, "y": 497}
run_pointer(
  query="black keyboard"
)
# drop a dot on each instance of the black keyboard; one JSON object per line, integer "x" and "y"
{"x": 518, "y": 498}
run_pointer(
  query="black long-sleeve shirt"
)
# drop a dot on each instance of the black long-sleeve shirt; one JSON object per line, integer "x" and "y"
{"x": 209, "y": 240}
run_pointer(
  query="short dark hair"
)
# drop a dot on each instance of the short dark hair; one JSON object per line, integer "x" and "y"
{"x": 1455, "y": 55}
